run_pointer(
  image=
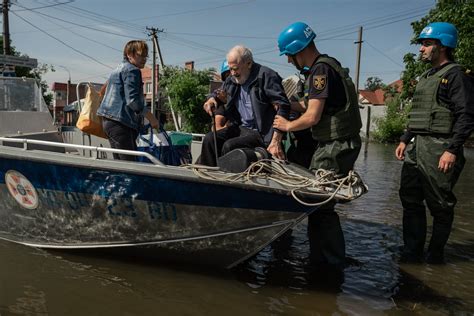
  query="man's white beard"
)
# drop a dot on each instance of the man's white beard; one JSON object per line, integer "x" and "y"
{"x": 241, "y": 80}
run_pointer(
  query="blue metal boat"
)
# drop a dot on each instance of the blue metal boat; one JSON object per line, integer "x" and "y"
{"x": 52, "y": 195}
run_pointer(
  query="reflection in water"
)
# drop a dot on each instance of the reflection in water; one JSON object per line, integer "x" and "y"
{"x": 32, "y": 303}
{"x": 279, "y": 280}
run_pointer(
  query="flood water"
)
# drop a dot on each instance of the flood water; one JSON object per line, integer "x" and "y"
{"x": 278, "y": 281}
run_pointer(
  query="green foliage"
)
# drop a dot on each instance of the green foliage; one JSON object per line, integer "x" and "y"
{"x": 374, "y": 83}
{"x": 458, "y": 12}
{"x": 36, "y": 73}
{"x": 392, "y": 126}
{"x": 188, "y": 91}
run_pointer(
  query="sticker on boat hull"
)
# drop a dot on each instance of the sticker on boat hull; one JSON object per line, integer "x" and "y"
{"x": 21, "y": 189}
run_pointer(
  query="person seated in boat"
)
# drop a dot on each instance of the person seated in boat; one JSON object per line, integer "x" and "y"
{"x": 254, "y": 94}
{"x": 123, "y": 107}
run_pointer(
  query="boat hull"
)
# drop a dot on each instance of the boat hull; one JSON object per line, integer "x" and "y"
{"x": 56, "y": 203}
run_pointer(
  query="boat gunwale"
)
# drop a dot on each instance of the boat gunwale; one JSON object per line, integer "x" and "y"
{"x": 136, "y": 168}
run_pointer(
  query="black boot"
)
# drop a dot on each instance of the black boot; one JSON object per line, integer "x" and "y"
{"x": 414, "y": 236}
{"x": 326, "y": 239}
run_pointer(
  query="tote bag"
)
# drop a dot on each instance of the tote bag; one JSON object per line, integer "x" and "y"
{"x": 89, "y": 122}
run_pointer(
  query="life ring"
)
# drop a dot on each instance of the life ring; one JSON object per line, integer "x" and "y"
{"x": 21, "y": 189}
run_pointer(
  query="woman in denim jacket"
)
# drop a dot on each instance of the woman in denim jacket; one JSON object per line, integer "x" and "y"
{"x": 123, "y": 107}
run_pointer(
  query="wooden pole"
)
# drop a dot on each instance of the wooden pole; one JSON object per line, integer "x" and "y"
{"x": 359, "y": 49}
{"x": 6, "y": 28}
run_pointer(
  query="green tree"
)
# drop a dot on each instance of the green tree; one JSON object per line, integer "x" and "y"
{"x": 458, "y": 12}
{"x": 36, "y": 73}
{"x": 392, "y": 125}
{"x": 374, "y": 83}
{"x": 188, "y": 91}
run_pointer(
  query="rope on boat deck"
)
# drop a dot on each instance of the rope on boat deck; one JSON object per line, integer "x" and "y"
{"x": 324, "y": 181}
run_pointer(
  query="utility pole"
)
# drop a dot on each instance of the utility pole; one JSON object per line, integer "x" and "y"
{"x": 152, "y": 32}
{"x": 359, "y": 48}
{"x": 6, "y": 28}
{"x": 367, "y": 123}
{"x": 156, "y": 48}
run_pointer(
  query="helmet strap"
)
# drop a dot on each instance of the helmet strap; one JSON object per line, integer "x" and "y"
{"x": 304, "y": 70}
{"x": 434, "y": 50}
{"x": 430, "y": 57}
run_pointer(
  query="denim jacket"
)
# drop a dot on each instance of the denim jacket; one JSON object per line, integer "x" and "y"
{"x": 123, "y": 100}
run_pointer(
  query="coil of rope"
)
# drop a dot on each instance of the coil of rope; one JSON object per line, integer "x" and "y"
{"x": 324, "y": 182}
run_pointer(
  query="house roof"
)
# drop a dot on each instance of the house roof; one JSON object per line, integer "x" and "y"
{"x": 372, "y": 97}
{"x": 398, "y": 84}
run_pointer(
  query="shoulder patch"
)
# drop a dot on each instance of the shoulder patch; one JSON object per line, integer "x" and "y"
{"x": 320, "y": 82}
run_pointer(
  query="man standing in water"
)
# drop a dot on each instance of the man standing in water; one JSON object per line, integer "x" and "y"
{"x": 331, "y": 110}
{"x": 441, "y": 119}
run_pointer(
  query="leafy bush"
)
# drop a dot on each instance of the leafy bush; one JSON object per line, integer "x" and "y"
{"x": 392, "y": 126}
{"x": 188, "y": 90}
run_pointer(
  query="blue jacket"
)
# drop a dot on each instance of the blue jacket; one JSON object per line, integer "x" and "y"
{"x": 266, "y": 89}
{"x": 123, "y": 100}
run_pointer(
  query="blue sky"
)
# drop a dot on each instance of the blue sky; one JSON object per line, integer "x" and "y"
{"x": 203, "y": 31}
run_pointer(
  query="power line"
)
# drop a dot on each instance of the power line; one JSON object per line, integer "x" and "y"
{"x": 382, "y": 53}
{"x": 62, "y": 42}
{"x": 334, "y": 37}
{"x": 100, "y": 18}
{"x": 222, "y": 35}
{"x": 82, "y": 36}
{"x": 195, "y": 44}
{"x": 80, "y": 25}
{"x": 46, "y": 6}
{"x": 367, "y": 22}
{"x": 371, "y": 27}
{"x": 197, "y": 10}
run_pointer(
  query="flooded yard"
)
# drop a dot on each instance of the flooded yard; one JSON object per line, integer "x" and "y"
{"x": 279, "y": 280}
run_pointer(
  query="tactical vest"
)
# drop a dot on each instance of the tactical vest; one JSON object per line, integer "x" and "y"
{"x": 346, "y": 122}
{"x": 428, "y": 115}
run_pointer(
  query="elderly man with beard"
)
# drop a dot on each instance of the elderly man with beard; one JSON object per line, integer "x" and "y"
{"x": 440, "y": 121}
{"x": 253, "y": 95}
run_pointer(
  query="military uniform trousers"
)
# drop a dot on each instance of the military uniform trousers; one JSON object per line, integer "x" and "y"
{"x": 326, "y": 239}
{"x": 421, "y": 180}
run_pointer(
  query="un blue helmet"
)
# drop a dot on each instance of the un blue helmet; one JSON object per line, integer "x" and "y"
{"x": 224, "y": 67}
{"x": 295, "y": 38}
{"x": 446, "y": 33}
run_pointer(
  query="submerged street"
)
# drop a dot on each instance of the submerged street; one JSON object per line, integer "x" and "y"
{"x": 279, "y": 280}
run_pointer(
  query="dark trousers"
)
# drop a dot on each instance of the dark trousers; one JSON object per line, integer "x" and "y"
{"x": 421, "y": 181}
{"x": 228, "y": 139}
{"x": 326, "y": 238}
{"x": 120, "y": 137}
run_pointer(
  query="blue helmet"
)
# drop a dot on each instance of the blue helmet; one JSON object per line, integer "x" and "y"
{"x": 295, "y": 38}
{"x": 446, "y": 33}
{"x": 224, "y": 67}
